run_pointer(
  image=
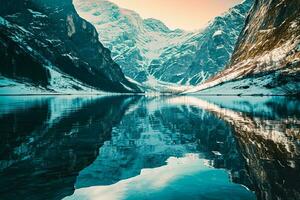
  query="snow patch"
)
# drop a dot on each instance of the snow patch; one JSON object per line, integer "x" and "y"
{"x": 218, "y": 33}
{"x": 70, "y": 56}
{"x": 37, "y": 14}
{"x": 71, "y": 26}
{"x": 17, "y": 87}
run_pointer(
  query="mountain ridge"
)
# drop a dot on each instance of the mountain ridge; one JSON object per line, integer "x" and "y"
{"x": 54, "y": 57}
{"x": 146, "y": 54}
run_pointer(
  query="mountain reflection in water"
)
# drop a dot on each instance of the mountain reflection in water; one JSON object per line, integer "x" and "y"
{"x": 131, "y": 147}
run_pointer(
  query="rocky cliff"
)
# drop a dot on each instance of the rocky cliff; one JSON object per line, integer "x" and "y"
{"x": 46, "y": 44}
{"x": 266, "y": 59}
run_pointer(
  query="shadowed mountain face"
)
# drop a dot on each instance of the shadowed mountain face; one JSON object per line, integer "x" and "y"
{"x": 45, "y": 43}
{"x": 45, "y": 142}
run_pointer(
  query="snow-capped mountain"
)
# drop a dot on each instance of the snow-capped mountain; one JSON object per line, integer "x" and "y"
{"x": 266, "y": 59}
{"x": 46, "y": 47}
{"x": 203, "y": 53}
{"x": 147, "y": 49}
{"x": 134, "y": 42}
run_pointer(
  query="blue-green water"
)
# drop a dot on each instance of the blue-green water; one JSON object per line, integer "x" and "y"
{"x": 134, "y": 147}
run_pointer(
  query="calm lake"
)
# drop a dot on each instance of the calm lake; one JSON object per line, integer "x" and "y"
{"x": 149, "y": 148}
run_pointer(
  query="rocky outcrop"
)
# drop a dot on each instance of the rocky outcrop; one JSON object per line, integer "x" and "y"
{"x": 41, "y": 40}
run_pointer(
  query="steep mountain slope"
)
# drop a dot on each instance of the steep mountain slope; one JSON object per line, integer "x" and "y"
{"x": 46, "y": 44}
{"x": 267, "y": 57}
{"x": 146, "y": 49}
{"x": 205, "y": 52}
{"x": 134, "y": 42}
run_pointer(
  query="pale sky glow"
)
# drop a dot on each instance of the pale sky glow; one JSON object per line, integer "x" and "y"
{"x": 184, "y": 14}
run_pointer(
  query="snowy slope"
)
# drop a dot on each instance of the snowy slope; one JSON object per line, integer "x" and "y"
{"x": 203, "y": 54}
{"x": 60, "y": 83}
{"x": 134, "y": 42}
{"x": 45, "y": 44}
{"x": 146, "y": 48}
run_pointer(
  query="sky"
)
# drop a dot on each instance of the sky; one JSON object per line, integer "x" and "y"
{"x": 183, "y": 14}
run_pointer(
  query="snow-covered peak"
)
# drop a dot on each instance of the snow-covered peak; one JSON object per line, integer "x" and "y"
{"x": 133, "y": 41}
{"x": 147, "y": 48}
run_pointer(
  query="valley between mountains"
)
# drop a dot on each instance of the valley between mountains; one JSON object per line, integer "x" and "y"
{"x": 96, "y": 47}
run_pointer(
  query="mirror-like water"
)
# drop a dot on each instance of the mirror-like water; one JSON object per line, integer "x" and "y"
{"x": 133, "y": 147}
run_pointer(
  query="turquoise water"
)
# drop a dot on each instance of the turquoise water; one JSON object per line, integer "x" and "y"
{"x": 185, "y": 177}
{"x": 134, "y": 147}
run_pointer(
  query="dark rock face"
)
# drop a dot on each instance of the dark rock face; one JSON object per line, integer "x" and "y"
{"x": 37, "y": 35}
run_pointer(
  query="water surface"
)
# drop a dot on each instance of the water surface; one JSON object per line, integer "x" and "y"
{"x": 133, "y": 147}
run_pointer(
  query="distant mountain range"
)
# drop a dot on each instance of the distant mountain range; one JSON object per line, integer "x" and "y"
{"x": 147, "y": 49}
